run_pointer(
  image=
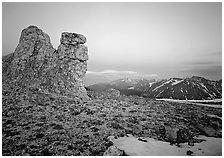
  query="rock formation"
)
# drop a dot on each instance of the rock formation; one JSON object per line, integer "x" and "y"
{"x": 35, "y": 63}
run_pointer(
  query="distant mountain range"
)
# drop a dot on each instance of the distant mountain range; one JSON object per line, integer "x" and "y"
{"x": 195, "y": 87}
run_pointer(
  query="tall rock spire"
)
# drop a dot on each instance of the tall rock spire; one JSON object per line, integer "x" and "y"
{"x": 35, "y": 63}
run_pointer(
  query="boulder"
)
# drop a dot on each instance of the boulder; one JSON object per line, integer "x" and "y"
{"x": 174, "y": 134}
{"x": 171, "y": 133}
{"x": 113, "y": 92}
{"x": 113, "y": 151}
{"x": 209, "y": 131}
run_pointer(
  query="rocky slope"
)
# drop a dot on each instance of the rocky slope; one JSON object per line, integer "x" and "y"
{"x": 38, "y": 123}
{"x": 174, "y": 88}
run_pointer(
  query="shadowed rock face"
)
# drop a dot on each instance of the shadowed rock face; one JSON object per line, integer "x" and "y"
{"x": 35, "y": 63}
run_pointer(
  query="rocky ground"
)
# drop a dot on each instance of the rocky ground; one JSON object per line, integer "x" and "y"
{"x": 35, "y": 122}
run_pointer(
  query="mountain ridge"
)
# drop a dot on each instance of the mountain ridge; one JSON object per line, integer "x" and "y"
{"x": 194, "y": 87}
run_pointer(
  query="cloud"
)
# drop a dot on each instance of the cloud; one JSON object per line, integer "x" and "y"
{"x": 111, "y": 72}
{"x": 115, "y": 74}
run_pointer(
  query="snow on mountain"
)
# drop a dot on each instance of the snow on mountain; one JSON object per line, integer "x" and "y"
{"x": 174, "y": 88}
{"x": 177, "y": 82}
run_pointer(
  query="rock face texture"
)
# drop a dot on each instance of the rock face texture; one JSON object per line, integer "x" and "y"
{"x": 35, "y": 63}
{"x": 33, "y": 52}
{"x": 72, "y": 56}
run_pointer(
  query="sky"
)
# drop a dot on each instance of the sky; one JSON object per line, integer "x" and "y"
{"x": 145, "y": 40}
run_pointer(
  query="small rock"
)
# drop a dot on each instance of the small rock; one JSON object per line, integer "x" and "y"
{"x": 40, "y": 135}
{"x": 94, "y": 129}
{"x": 46, "y": 152}
{"x": 58, "y": 127}
{"x": 183, "y": 135}
{"x": 189, "y": 152}
{"x": 191, "y": 143}
{"x": 135, "y": 128}
{"x": 26, "y": 154}
{"x": 143, "y": 140}
{"x": 116, "y": 125}
{"x": 171, "y": 133}
{"x": 113, "y": 151}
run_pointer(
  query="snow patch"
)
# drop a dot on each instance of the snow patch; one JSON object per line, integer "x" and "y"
{"x": 181, "y": 90}
{"x": 176, "y": 82}
{"x": 159, "y": 93}
{"x": 150, "y": 84}
{"x": 196, "y": 102}
{"x": 204, "y": 87}
{"x": 131, "y": 88}
{"x": 162, "y": 85}
{"x": 214, "y": 94}
{"x": 134, "y": 147}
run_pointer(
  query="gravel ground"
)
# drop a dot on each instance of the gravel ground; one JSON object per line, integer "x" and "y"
{"x": 35, "y": 122}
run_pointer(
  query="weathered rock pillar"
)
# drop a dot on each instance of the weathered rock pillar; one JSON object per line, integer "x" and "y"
{"x": 35, "y": 63}
{"x": 72, "y": 58}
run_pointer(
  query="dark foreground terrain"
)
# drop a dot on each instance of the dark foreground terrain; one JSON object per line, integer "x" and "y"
{"x": 38, "y": 123}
